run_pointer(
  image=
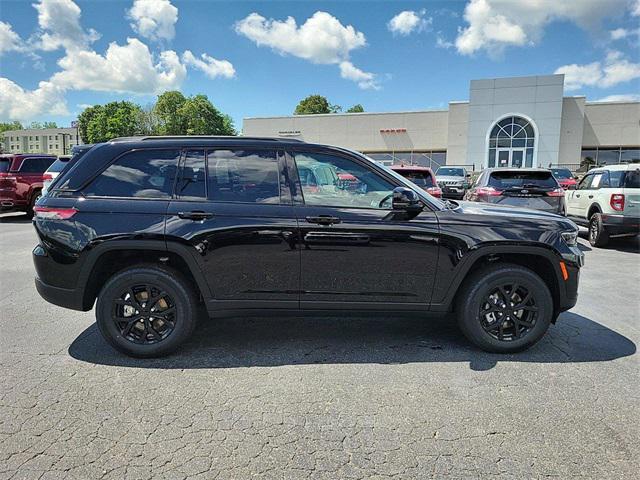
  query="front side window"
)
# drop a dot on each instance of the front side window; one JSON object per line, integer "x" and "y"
{"x": 243, "y": 176}
{"x": 585, "y": 183}
{"x": 36, "y": 165}
{"x": 320, "y": 176}
{"x": 138, "y": 174}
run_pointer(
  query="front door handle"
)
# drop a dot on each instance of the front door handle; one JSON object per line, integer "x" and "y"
{"x": 195, "y": 215}
{"x": 577, "y": 195}
{"x": 590, "y": 196}
{"x": 323, "y": 220}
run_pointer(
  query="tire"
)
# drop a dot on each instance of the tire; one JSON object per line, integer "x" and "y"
{"x": 598, "y": 235}
{"x": 32, "y": 203}
{"x": 490, "y": 331}
{"x": 147, "y": 336}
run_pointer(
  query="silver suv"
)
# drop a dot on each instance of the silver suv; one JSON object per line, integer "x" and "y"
{"x": 454, "y": 181}
{"x": 607, "y": 200}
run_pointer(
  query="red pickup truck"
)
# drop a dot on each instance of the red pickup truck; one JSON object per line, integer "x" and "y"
{"x": 21, "y": 180}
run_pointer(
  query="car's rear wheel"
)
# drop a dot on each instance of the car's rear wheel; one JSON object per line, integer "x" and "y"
{"x": 598, "y": 235}
{"x": 146, "y": 311}
{"x": 505, "y": 308}
{"x": 32, "y": 203}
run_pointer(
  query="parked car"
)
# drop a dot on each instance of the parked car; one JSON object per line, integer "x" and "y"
{"x": 454, "y": 181}
{"x": 154, "y": 230}
{"x": 607, "y": 201}
{"x": 21, "y": 178}
{"x": 421, "y": 176}
{"x": 519, "y": 187}
{"x": 565, "y": 178}
{"x": 53, "y": 171}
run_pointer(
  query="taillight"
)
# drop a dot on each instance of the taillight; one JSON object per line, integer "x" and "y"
{"x": 617, "y": 202}
{"x": 435, "y": 191}
{"x": 556, "y": 192}
{"x": 47, "y": 176}
{"x": 489, "y": 191}
{"x": 54, "y": 213}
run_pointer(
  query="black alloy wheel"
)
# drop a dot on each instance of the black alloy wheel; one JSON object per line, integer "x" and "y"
{"x": 508, "y": 312}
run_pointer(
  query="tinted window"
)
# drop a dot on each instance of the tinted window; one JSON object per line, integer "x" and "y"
{"x": 57, "y": 166}
{"x": 192, "y": 182}
{"x": 561, "y": 173}
{"x": 36, "y": 165}
{"x": 505, "y": 180}
{"x": 616, "y": 178}
{"x": 632, "y": 179}
{"x": 450, "y": 172}
{"x": 4, "y": 165}
{"x": 585, "y": 183}
{"x": 321, "y": 185}
{"x": 422, "y": 179}
{"x": 247, "y": 176}
{"x": 141, "y": 174}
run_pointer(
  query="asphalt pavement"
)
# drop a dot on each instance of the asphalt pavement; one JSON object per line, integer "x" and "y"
{"x": 321, "y": 397}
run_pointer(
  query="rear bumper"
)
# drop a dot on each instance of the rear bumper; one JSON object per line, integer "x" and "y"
{"x": 621, "y": 224}
{"x": 63, "y": 297}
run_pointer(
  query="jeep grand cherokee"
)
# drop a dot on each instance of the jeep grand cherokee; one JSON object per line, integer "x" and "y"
{"x": 155, "y": 228}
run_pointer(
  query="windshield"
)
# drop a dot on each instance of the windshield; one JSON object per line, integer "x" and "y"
{"x": 561, "y": 173}
{"x": 450, "y": 172}
{"x": 422, "y": 179}
{"x": 516, "y": 179}
{"x": 4, "y": 166}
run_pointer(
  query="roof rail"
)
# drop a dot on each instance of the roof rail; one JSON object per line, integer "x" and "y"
{"x": 202, "y": 137}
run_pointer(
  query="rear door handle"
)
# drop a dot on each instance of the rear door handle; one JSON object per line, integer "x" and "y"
{"x": 323, "y": 220}
{"x": 195, "y": 215}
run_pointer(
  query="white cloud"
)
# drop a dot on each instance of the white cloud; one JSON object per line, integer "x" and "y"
{"x": 16, "y": 103}
{"x": 9, "y": 40}
{"x": 153, "y": 19}
{"x": 123, "y": 68}
{"x": 621, "y": 33}
{"x": 320, "y": 39}
{"x": 59, "y": 21}
{"x": 210, "y": 66}
{"x": 365, "y": 80}
{"x": 409, "y": 21}
{"x": 613, "y": 70}
{"x": 624, "y": 97}
{"x": 442, "y": 42}
{"x": 635, "y": 9}
{"x": 496, "y": 24}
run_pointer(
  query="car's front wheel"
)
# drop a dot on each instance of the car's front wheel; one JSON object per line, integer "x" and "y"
{"x": 146, "y": 311}
{"x": 504, "y": 308}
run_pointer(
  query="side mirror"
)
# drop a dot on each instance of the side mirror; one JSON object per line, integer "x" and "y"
{"x": 407, "y": 200}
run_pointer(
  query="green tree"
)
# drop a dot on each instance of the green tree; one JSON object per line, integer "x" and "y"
{"x": 167, "y": 109}
{"x": 35, "y": 125}
{"x": 202, "y": 118}
{"x": 6, "y": 126}
{"x": 49, "y": 125}
{"x": 315, "y": 104}
{"x": 85, "y": 118}
{"x": 147, "y": 121}
{"x": 357, "y": 108}
{"x": 115, "y": 119}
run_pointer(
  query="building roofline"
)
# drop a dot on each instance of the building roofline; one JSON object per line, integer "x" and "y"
{"x": 342, "y": 114}
{"x": 613, "y": 102}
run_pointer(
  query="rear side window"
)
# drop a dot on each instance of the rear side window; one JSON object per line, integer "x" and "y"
{"x": 192, "y": 182}
{"x": 139, "y": 174}
{"x": 244, "y": 176}
{"x": 515, "y": 179}
{"x": 35, "y": 165}
{"x": 422, "y": 179}
{"x": 4, "y": 166}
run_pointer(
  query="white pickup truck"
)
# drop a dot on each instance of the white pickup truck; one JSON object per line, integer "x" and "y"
{"x": 607, "y": 201}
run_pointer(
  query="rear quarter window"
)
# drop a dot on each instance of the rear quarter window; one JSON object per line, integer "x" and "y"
{"x": 35, "y": 165}
{"x": 4, "y": 166}
{"x": 138, "y": 174}
{"x": 505, "y": 180}
{"x": 632, "y": 179}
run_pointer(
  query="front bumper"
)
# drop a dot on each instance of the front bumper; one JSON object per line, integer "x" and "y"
{"x": 621, "y": 224}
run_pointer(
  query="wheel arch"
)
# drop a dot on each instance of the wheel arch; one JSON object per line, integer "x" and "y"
{"x": 593, "y": 208}
{"x": 108, "y": 259}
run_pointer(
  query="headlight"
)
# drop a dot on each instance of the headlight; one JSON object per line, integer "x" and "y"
{"x": 570, "y": 238}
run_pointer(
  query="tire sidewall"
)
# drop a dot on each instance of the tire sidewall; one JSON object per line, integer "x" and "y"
{"x": 170, "y": 283}
{"x": 469, "y": 317}
{"x": 601, "y": 236}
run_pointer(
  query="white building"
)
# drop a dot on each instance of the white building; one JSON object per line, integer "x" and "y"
{"x": 56, "y": 141}
{"x": 520, "y": 121}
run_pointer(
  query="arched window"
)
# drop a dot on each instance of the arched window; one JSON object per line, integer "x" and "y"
{"x": 511, "y": 143}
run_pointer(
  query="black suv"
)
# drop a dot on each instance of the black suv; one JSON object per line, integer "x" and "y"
{"x": 159, "y": 228}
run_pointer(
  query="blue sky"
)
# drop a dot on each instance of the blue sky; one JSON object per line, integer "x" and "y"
{"x": 57, "y": 56}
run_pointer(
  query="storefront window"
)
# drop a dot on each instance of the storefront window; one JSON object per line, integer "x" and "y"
{"x": 631, "y": 155}
{"x": 511, "y": 140}
{"x": 608, "y": 156}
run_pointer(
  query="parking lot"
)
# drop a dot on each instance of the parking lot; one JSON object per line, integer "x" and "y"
{"x": 321, "y": 397}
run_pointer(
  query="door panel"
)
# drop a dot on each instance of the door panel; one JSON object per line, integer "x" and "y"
{"x": 243, "y": 236}
{"x": 354, "y": 248}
